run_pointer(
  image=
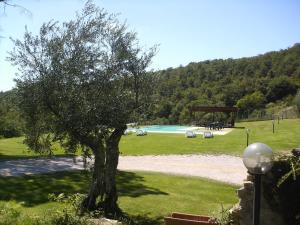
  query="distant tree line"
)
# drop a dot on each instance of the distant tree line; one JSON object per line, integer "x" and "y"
{"x": 252, "y": 84}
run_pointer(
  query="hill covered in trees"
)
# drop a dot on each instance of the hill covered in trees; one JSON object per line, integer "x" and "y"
{"x": 254, "y": 84}
{"x": 257, "y": 85}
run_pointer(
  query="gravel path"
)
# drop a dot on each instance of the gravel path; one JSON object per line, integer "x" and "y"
{"x": 229, "y": 169}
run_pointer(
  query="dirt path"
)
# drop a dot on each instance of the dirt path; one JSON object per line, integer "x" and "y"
{"x": 224, "y": 168}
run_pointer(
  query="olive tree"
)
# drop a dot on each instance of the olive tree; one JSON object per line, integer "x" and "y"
{"x": 80, "y": 83}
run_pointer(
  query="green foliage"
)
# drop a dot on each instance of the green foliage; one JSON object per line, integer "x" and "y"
{"x": 11, "y": 214}
{"x": 267, "y": 78}
{"x": 39, "y": 143}
{"x": 296, "y": 100}
{"x": 73, "y": 201}
{"x": 282, "y": 185}
{"x": 87, "y": 78}
{"x": 80, "y": 83}
{"x": 64, "y": 217}
{"x": 223, "y": 217}
{"x": 294, "y": 171}
{"x": 280, "y": 87}
{"x": 11, "y": 123}
{"x": 250, "y": 102}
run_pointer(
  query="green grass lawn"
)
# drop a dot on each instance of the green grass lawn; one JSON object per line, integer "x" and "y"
{"x": 286, "y": 137}
{"x": 151, "y": 195}
{"x": 13, "y": 148}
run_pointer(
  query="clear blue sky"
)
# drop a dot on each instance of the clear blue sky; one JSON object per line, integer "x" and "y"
{"x": 187, "y": 30}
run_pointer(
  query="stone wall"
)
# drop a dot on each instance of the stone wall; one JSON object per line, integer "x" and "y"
{"x": 280, "y": 203}
{"x": 242, "y": 212}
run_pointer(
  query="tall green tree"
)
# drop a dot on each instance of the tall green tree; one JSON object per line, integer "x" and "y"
{"x": 80, "y": 83}
{"x": 280, "y": 87}
{"x": 250, "y": 102}
{"x": 11, "y": 123}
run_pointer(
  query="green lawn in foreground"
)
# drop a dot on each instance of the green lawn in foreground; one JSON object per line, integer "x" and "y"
{"x": 152, "y": 195}
{"x": 286, "y": 137}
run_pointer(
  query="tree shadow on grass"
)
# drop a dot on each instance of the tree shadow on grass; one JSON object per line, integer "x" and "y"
{"x": 34, "y": 189}
{"x": 4, "y": 157}
{"x": 27, "y": 155}
{"x": 132, "y": 185}
{"x": 239, "y": 127}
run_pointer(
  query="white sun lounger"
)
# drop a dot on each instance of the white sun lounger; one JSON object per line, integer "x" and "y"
{"x": 208, "y": 134}
{"x": 141, "y": 133}
{"x": 190, "y": 134}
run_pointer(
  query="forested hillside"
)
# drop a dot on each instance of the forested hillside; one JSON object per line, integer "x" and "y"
{"x": 254, "y": 84}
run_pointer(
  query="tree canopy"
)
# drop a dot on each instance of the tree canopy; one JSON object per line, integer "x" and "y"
{"x": 80, "y": 83}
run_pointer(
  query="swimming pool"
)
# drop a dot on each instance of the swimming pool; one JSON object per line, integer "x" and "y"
{"x": 167, "y": 129}
{"x": 175, "y": 129}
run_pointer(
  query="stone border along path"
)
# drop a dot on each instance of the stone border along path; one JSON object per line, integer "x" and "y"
{"x": 225, "y": 168}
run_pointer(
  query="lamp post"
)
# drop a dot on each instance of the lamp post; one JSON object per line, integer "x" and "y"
{"x": 258, "y": 159}
{"x": 247, "y": 134}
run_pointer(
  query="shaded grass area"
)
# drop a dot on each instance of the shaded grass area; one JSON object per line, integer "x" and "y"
{"x": 286, "y": 137}
{"x": 181, "y": 194}
{"x": 147, "y": 197}
{"x": 33, "y": 190}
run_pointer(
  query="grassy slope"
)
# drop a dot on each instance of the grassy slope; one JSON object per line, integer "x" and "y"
{"x": 287, "y": 136}
{"x": 140, "y": 193}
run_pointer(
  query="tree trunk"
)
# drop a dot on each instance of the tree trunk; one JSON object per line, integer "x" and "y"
{"x": 110, "y": 205}
{"x": 104, "y": 177}
{"x": 98, "y": 181}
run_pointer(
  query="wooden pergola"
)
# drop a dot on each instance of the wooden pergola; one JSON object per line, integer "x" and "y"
{"x": 212, "y": 109}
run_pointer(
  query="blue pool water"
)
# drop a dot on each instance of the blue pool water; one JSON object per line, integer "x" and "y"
{"x": 166, "y": 128}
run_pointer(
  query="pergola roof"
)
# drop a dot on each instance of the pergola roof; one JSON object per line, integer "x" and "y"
{"x": 213, "y": 109}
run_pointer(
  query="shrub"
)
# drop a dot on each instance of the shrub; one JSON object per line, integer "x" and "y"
{"x": 10, "y": 213}
{"x": 296, "y": 100}
{"x": 283, "y": 183}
